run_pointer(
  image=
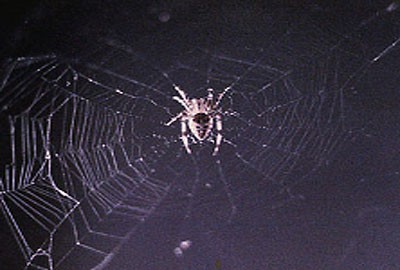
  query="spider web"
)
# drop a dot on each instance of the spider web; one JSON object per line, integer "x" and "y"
{"x": 87, "y": 158}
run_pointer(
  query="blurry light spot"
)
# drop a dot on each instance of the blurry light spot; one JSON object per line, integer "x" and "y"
{"x": 178, "y": 252}
{"x": 392, "y": 7}
{"x": 184, "y": 245}
{"x": 164, "y": 16}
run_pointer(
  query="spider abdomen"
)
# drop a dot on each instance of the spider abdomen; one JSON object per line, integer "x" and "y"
{"x": 201, "y": 118}
{"x": 200, "y": 125}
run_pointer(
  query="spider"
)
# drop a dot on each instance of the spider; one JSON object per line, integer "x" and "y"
{"x": 198, "y": 117}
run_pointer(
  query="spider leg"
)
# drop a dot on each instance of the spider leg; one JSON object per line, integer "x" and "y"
{"x": 218, "y": 140}
{"x": 185, "y": 135}
{"x": 174, "y": 119}
{"x": 180, "y": 92}
{"x": 210, "y": 96}
{"x": 176, "y": 87}
{"x": 220, "y": 96}
{"x": 182, "y": 102}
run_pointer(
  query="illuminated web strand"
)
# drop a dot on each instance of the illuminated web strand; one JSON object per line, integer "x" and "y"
{"x": 30, "y": 182}
{"x": 86, "y": 144}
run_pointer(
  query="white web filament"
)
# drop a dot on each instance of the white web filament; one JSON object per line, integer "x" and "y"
{"x": 86, "y": 159}
{"x": 70, "y": 173}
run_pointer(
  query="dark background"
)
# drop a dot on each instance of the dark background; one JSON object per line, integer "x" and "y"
{"x": 341, "y": 214}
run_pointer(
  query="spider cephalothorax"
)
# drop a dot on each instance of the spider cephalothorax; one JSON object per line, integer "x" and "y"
{"x": 198, "y": 118}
